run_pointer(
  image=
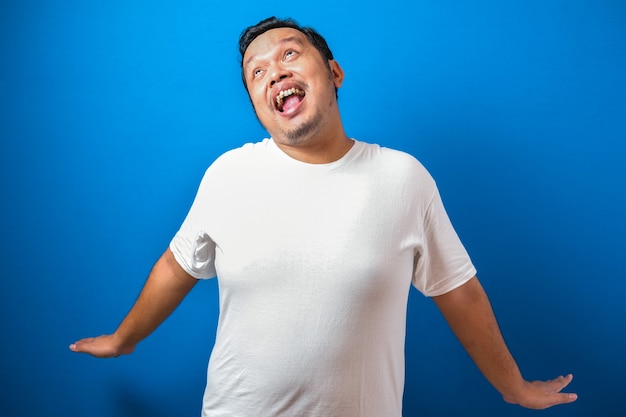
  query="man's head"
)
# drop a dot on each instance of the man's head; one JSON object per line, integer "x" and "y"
{"x": 291, "y": 81}
{"x": 252, "y": 32}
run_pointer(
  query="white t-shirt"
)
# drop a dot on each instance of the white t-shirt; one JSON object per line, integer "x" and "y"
{"x": 314, "y": 264}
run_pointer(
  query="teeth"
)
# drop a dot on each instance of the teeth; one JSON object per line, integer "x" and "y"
{"x": 286, "y": 93}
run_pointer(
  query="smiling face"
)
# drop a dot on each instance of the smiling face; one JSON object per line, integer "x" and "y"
{"x": 292, "y": 88}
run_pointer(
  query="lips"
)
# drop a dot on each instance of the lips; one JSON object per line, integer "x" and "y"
{"x": 288, "y": 97}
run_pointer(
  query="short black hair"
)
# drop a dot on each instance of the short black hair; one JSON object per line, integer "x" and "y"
{"x": 252, "y": 32}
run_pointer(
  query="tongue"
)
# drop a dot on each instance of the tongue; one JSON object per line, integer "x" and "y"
{"x": 291, "y": 102}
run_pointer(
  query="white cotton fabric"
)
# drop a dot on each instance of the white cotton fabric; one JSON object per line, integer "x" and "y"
{"x": 314, "y": 264}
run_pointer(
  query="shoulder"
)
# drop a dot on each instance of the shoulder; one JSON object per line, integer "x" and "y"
{"x": 243, "y": 153}
{"x": 395, "y": 162}
{"x": 244, "y": 156}
{"x": 233, "y": 165}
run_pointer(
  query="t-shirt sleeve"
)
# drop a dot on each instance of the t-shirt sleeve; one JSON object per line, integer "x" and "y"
{"x": 192, "y": 246}
{"x": 442, "y": 264}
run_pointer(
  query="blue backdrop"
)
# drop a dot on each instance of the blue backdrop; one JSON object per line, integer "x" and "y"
{"x": 111, "y": 111}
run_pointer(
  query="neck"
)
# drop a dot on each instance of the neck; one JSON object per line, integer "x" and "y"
{"x": 322, "y": 150}
{"x": 328, "y": 144}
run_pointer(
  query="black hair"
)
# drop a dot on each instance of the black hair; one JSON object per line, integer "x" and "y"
{"x": 252, "y": 32}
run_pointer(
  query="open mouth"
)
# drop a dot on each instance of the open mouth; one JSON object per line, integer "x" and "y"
{"x": 288, "y": 99}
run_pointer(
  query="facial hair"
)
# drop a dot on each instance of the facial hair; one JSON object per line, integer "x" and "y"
{"x": 306, "y": 129}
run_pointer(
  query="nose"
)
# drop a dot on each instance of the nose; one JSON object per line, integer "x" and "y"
{"x": 278, "y": 73}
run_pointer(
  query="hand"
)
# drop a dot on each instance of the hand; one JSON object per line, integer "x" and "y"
{"x": 104, "y": 346}
{"x": 543, "y": 394}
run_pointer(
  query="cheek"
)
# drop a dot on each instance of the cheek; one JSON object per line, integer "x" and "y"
{"x": 263, "y": 111}
{"x": 259, "y": 102}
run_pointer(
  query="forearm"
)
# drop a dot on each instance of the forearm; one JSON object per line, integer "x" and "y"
{"x": 164, "y": 289}
{"x": 166, "y": 286}
{"x": 469, "y": 314}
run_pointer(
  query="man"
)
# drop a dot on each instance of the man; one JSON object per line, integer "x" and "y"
{"x": 316, "y": 239}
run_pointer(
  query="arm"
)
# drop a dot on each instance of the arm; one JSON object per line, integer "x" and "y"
{"x": 164, "y": 289}
{"x": 468, "y": 312}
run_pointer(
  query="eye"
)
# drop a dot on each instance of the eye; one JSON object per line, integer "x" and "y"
{"x": 256, "y": 72}
{"x": 290, "y": 53}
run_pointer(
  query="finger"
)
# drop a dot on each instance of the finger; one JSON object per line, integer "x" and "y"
{"x": 561, "y": 382}
{"x": 557, "y": 385}
{"x": 80, "y": 345}
{"x": 563, "y": 398}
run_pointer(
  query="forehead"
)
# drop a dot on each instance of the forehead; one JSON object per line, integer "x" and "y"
{"x": 267, "y": 42}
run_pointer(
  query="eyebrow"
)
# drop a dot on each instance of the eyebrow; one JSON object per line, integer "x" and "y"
{"x": 283, "y": 41}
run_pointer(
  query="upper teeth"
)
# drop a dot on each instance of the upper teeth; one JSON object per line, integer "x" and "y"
{"x": 287, "y": 93}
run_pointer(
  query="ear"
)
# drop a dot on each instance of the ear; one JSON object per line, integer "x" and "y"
{"x": 337, "y": 72}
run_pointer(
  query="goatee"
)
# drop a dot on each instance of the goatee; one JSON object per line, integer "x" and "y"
{"x": 303, "y": 131}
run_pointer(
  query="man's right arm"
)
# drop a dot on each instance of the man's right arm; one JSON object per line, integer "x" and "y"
{"x": 166, "y": 286}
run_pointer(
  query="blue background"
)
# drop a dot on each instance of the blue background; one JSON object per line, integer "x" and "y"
{"x": 111, "y": 111}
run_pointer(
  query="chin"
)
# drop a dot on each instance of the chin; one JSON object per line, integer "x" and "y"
{"x": 304, "y": 130}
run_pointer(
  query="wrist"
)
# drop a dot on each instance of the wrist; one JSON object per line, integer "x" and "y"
{"x": 514, "y": 393}
{"x": 121, "y": 344}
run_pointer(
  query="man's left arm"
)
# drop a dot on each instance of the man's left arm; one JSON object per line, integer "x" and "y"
{"x": 468, "y": 312}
